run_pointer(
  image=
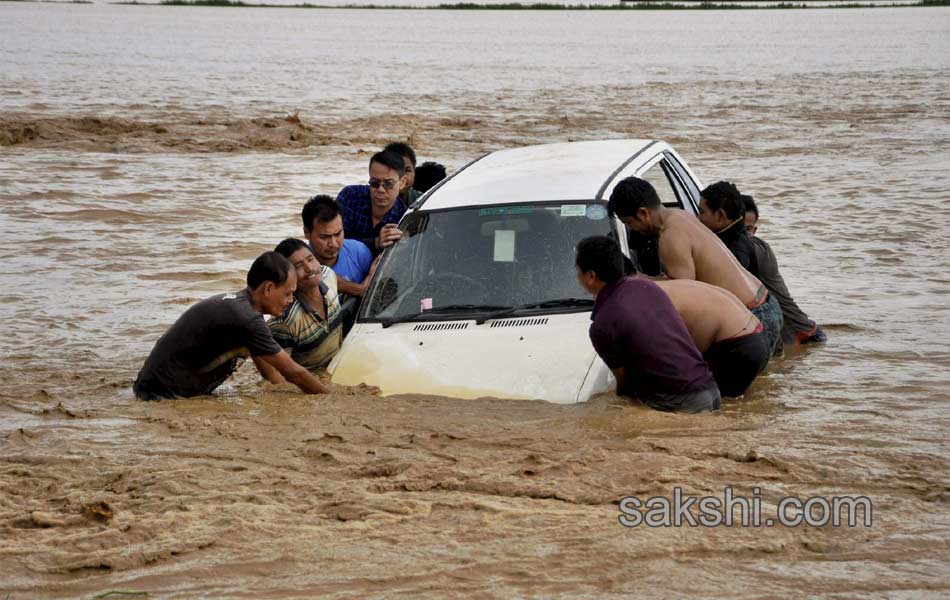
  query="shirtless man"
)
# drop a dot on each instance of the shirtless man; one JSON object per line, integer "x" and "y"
{"x": 689, "y": 250}
{"x": 731, "y": 339}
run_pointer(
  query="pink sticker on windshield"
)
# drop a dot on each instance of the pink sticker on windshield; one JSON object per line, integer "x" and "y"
{"x": 425, "y": 304}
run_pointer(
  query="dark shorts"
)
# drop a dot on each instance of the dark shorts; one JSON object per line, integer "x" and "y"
{"x": 736, "y": 362}
{"x": 769, "y": 314}
{"x": 144, "y": 391}
{"x": 691, "y": 402}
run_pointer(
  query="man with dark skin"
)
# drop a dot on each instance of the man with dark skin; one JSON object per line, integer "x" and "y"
{"x": 797, "y": 327}
{"x": 371, "y": 212}
{"x": 409, "y": 194}
{"x": 687, "y": 249}
{"x": 311, "y": 328}
{"x": 350, "y": 259}
{"x": 731, "y": 339}
{"x": 428, "y": 174}
{"x": 722, "y": 212}
{"x": 211, "y": 339}
{"x": 639, "y": 335}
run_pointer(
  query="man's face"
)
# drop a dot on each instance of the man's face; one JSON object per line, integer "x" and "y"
{"x": 277, "y": 298}
{"x": 586, "y": 279}
{"x": 307, "y": 269}
{"x": 326, "y": 239}
{"x": 641, "y": 222}
{"x": 384, "y": 186}
{"x": 410, "y": 172}
{"x": 714, "y": 220}
{"x": 751, "y": 222}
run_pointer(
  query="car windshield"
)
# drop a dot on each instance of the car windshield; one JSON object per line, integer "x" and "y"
{"x": 463, "y": 263}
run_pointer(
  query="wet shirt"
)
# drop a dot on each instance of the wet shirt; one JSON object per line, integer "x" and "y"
{"x": 204, "y": 346}
{"x": 795, "y": 319}
{"x": 635, "y": 326}
{"x": 356, "y": 206}
{"x": 311, "y": 340}
{"x": 354, "y": 261}
{"x": 412, "y": 195}
{"x": 739, "y": 242}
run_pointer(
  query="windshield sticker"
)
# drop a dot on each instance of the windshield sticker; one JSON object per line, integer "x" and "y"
{"x": 425, "y": 304}
{"x": 596, "y": 212}
{"x": 501, "y": 211}
{"x": 504, "y": 245}
{"x": 573, "y": 210}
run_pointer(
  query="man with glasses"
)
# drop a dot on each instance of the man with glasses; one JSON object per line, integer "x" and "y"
{"x": 371, "y": 212}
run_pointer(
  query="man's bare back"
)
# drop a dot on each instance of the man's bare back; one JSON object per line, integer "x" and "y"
{"x": 711, "y": 313}
{"x": 688, "y": 250}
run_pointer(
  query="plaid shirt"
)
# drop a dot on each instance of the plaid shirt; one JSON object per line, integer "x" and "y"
{"x": 356, "y": 206}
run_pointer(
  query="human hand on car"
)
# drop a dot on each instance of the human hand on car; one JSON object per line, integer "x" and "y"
{"x": 388, "y": 235}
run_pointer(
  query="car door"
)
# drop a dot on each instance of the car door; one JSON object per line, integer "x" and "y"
{"x": 660, "y": 173}
{"x": 673, "y": 185}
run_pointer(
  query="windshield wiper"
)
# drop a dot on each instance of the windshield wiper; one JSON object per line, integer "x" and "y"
{"x": 451, "y": 308}
{"x": 559, "y": 303}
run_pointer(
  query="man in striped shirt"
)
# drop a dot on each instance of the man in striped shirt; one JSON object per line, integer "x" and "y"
{"x": 311, "y": 329}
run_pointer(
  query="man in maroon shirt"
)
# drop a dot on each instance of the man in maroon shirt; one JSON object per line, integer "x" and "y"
{"x": 638, "y": 333}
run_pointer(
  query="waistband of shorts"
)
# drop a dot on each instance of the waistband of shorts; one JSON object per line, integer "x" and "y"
{"x": 758, "y": 329}
{"x": 760, "y": 297}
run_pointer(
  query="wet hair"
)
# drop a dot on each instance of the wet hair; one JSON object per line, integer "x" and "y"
{"x": 601, "y": 255}
{"x": 630, "y": 195}
{"x": 402, "y": 149}
{"x": 750, "y": 206}
{"x": 321, "y": 208}
{"x": 427, "y": 175}
{"x": 287, "y": 247}
{"x": 389, "y": 159}
{"x": 269, "y": 266}
{"x": 724, "y": 195}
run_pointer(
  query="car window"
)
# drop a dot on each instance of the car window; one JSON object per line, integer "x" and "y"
{"x": 676, "y": 172}
{"x": 658, "y": 178}
{"x": 496, "y": 256}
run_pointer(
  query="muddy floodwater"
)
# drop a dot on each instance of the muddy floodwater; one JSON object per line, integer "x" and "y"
{"x": 145, "y": 161}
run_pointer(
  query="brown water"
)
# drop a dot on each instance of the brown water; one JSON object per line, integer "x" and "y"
{"x": 145, "y": 162}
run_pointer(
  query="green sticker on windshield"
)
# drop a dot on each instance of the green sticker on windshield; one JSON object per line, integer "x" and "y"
{"x": 501, "y": 211}
{"x": 573, "y": 210}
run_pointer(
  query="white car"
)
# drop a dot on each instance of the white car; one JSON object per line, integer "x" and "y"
{"x": 480, "y": 297}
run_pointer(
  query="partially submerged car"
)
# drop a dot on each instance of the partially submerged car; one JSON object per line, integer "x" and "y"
{"x": 480, "y": 297}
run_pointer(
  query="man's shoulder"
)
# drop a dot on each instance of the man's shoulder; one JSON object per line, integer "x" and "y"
{"x": 231, "y": 305}
{"x": 412, "y": 195}
{"x": 760, "y": 243}
{"x": 353, "y": 193}
{"x": 684, "y": 228}
{"x": 355, "y": 248}
{"x": 289, "y": 316}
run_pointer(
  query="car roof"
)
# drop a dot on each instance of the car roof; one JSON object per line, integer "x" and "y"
{"x": 563, "y": 171}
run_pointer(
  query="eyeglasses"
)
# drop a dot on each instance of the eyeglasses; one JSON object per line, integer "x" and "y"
{"x": 387, "y": 184}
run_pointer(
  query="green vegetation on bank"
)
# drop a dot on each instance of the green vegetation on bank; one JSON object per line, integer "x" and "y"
{"x": 53, "y": 1}
{"x": 630, "y": 5}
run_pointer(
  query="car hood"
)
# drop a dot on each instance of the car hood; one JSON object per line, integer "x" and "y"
{"x": 547, "y": 358}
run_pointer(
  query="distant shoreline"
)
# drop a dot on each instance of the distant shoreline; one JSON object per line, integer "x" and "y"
{"x": 53, "y": 1}
{"x": 630, "y": 5}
